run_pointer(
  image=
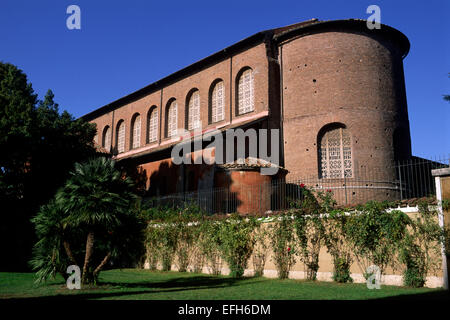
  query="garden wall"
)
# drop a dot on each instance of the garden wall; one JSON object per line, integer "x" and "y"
{"x": 325, "y": 272}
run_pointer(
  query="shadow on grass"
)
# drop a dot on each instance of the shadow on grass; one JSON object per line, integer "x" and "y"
{"x": 181, "y": 282}
{"x": 148, "y": 287}
{"x": 435, "y": 295}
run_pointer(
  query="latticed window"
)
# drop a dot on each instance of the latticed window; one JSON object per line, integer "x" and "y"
{"x": 121, "y": 137}
{"x": 218, "y": 102}
{"x": 245, "y": 92}
{"x": 194, "y": 111}
{"x": 136, "y": 139}
{"x": 172, "y": 119}
{"x": 106, "y": 140}
{"x": 336, "y": 154}
{"x": 153, "y": 126}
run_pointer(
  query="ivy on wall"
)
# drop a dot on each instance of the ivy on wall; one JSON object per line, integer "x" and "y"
{"x": 371, "y": 234}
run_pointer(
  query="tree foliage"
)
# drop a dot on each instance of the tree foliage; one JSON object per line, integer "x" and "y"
{"x": 39, "y": 147}
{"x": 96, "y": 204}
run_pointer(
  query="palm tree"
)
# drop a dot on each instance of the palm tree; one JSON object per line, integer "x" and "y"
{"x": 48, "y": 253}
{"x": 97, "y": 199}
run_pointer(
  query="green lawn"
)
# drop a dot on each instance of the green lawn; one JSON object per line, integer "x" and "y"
{"x": 140, "y": 284}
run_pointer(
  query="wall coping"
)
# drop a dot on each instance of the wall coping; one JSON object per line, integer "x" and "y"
{"x": 440, "y": 172}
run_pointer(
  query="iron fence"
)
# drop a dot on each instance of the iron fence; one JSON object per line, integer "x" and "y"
{"x": 407, "y": 179}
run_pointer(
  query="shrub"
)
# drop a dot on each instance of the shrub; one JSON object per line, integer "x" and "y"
{"x": 420, "y": 248}
{"x": 376, "y": 234}
{"x": 209, "y": 243}
{"x": 97, "y": 204}
{"x": 310, "y": 230}
{"x": 237, "y": 243}
{"x": 162, "y": 239}
{"x": 260, "y": 250}
{"x": 188, "y": 225}
{"x": 338, "y": 246}
{"x": 184, "y": 246}
{"x": 414, "y": 259}
{"x": 197, "y": 259}
{"x": 169, "y": 235}
{"x": 282, "y": 240}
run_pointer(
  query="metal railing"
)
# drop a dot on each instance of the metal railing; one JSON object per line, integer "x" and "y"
{"x": 406, "y": 180}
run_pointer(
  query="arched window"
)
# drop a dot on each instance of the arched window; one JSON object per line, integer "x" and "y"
{"x": 121, "y": 137}
{"x": 172, "y": 119}
{"x": 136, "y": 132}
{"x": 217, "y": 102}
{"x": 245, "y": 94}
{"x": 193, "y": 111}
{"x": 152, "y": 125}
{"x": 106, "y": 138}
{"x": 335, "y": 152}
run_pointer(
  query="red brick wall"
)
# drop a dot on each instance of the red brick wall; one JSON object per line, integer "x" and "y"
{"x": 249, "y": 191}
{"x": 227, "y": 70}
{"x": 327, "y": 77}
{"x": 348, "y": 78}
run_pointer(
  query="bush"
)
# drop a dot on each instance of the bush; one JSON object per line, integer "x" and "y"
{"x": 414, "y": 259}
{"x": 162, "y": 239}
{"x": 96, "y": 206}
{"x": 237, "y": 243}
{"x": 338, "y": 245}
{"x": 370, "y": 235}
{"x": 282, "y": 240}
{"x": 376, "y": 234}
{"x": 170, "y": 235}
{"x": 185, "y": 240}
{"x": 420, "y": 248}
{"x": 261, "y": 236}
{"x": 310, "y": 230}
{"x": 209, "y": 243}
{"x": 198, "y": 259}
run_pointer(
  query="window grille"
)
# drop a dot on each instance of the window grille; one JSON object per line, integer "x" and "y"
{"x": 172, "y": 119}
{"x": 217, "y": 102}
{"x": 107, "y": 138}
{"x": 121, "y": 138}
{"x": 153, "y": 126}
{"x": 336, "y": 154}
{"x": 194, "y": 111}
{"x": 245, "y": 92}
{"x": 136, "y": 139}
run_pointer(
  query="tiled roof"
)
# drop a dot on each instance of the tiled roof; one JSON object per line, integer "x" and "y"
{"x": 249, "y": 163}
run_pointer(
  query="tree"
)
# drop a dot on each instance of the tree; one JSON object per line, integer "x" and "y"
{"x": 17, "y": 101}
{"x": 39, "y": 146}
{"x": 53, "y": 233}
{"x": 98, "y": 200}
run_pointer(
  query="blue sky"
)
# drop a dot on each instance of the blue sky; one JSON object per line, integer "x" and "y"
{"x": 125, "y": 45}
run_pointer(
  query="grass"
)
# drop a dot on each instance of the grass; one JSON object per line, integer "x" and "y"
{"x": 137, "y": 284}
